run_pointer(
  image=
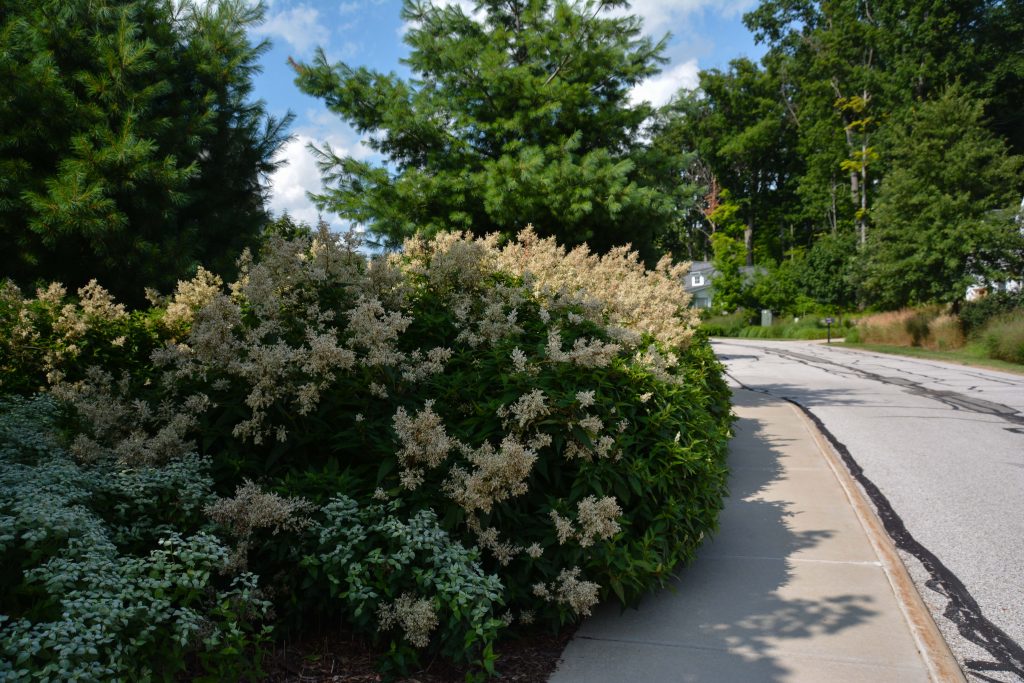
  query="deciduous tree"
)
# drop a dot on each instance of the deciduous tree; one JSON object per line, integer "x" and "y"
{"x": 946, "y": 211}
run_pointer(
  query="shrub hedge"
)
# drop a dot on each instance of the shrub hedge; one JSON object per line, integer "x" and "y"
{"x": 739, "y": 324}
{"x": 976, "y": 314}
{"x": 1003, "y": 337}
{"x": 381, "y": 438}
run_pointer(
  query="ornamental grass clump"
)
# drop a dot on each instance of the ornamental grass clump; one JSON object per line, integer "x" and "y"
{"x": 548, "y": 417}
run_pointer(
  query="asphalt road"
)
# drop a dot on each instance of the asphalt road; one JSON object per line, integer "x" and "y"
{"x": 939, "y": 448}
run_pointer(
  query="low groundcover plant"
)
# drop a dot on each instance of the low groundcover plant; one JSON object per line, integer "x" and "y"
{"x": 435, "y": 446}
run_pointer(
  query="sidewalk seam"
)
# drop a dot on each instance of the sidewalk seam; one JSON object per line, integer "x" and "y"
{"x": 938, "y": 659}
{"x": 754, "y": 652}
{"x": 810, "y": 560}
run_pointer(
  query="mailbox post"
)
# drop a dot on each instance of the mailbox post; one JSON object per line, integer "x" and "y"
{"x": 828, "y": 325}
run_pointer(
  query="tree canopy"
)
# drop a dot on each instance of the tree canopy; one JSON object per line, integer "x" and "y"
{"x": 130, "y": 147}
{"x": 834, "y": 146}
{"x": 945, "y": 214}
{"x": 520, "y": 114}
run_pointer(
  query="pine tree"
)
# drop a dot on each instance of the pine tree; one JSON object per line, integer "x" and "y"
{"x": 130, "y": 150}
{"x": 520, "y": 117}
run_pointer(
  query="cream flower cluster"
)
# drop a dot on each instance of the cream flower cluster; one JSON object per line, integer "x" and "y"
{"x": 424, "y": 442}
{"x": 587, "y": 353}
{"x": 496, "y": 475}
{"x": 597, "y": 519}
{"x": 613, "y": 290}
{"x": 252, "y": 508}
{"x": 283, "y": 291}
{"x": 453, "y": 260}
{"x": 415, "y": 616}
{"x": 128, "y": 429}
{"x": 490, "y": 539}
{"x": 525, "y": 410}
{"x": 69, "y": 322}
{"x": 568, "y": 589}
{"x": 191, "y": 296}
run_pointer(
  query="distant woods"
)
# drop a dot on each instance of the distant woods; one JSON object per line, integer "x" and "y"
{"x": 893, "y": 128}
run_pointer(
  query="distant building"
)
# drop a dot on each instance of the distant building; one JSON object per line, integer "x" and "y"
{"x": 981, "y": 288}
{"x": 699, "y": 282}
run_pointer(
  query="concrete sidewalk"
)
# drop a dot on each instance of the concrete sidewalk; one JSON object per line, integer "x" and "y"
{"x": 799, "y": 584}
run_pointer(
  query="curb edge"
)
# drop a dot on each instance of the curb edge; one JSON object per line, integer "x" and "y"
{"x": 931, "y": 645}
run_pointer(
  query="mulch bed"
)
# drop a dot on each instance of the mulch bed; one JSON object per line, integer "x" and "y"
{"x": 343, "y": 658}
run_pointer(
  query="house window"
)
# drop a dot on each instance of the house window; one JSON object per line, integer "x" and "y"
{"x": 697, "y": 280}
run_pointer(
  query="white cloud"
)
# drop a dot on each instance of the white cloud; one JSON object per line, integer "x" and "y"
{"x": 658, "y": 90}
{"x": 300, "y": 26}
{"x": 291, "y": 182}
{"x": 342, "y": 51}
{"x": 666, "y": 15}
{"x": 468, "y": 6}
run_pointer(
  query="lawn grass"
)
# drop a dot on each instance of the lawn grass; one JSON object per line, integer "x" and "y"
{"x": 973, "y": 354}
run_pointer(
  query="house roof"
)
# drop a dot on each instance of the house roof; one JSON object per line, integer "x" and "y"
{"x": 700, "y": 266}
{"x": 703, "y": 268}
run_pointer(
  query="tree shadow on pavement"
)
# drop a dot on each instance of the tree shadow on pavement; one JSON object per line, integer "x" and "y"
{"x": 734, "y": 614}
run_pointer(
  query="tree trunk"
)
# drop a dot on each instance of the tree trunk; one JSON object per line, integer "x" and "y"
{"x": 748, "y": 241}
{"x": 862, "y": 215}
{"x": 834, "y": 215}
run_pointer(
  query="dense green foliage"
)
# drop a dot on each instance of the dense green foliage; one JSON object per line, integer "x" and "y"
{"x": 730, "y": 283}
{"x": 828, "y": 275}
{"x": 104, "y": 574}
{"x": 743, "y": 324}
{"x": 130, "y": 148}
{"x": 368, "y": 557}
{"x": 942, "y": 216}
{"x": 522, "y": 117}
{"x": 976, "y": 314}
{"x": 434, "y": 446}
{"x": 1004, "y": 337}
{"x": 878, "y": 142}
{"x": 736, "y": 124}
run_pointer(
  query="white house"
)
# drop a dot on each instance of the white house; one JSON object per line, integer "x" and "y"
{"x": 698, "y": 283}
{"x": 980, "y": 289}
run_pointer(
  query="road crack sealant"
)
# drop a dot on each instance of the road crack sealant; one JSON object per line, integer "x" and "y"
{"x": 962, "y": 610}
{"x": 952, "y": 399}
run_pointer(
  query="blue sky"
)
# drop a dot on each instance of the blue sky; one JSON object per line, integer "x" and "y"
{"x": 705, "y": 34}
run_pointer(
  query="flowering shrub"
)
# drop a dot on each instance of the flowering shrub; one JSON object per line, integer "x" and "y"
{"x": 548, "y": 417}
{"x": 408, "y": 580}
{"x": 49, "y": 338}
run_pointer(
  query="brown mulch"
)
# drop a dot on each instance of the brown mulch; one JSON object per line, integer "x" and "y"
{"x": 342, "y": 658}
